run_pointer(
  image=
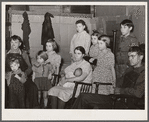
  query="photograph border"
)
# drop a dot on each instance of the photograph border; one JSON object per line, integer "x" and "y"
{"x": 11, "y": 114}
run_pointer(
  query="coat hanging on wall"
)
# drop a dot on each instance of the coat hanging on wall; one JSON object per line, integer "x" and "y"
{"x": 26, "y": 31}
{"x": 47, "y": 30}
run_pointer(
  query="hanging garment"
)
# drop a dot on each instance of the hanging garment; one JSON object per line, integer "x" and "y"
{"x": 47, "y": 30}
{"x": 26, "y": 31}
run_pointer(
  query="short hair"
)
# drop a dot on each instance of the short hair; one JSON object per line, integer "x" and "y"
{"x": 138, "y": 50}
{"x": 80, "y": 48}
{"x": 14, "y": 60}
{"x": 105, "y": 39}
{"x": 54, "y": 44}
{"x": 96, "y": 33}
{"x": 15, "y": 37}
{"x": 42, "y": 54}
{"x": 83, "y": 23}
{"x": 128, "y": 23}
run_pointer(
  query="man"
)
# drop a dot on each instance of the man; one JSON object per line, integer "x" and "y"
{"x": 132, "y": 84}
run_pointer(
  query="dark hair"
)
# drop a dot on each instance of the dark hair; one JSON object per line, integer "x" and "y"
{"x": 128, "y": 23}
{"x": 80, "y": 48}
{"x": 83, "y": 23}
{"x": 14, "y": 38}
{"x": 96, "y": 33}
{"x": 138, "y": 50}
{"x": 105, "y": 39}
{"x": 42, "y": 54}
{"x": 54, "y": 44}
{"x": 14, "y": 60}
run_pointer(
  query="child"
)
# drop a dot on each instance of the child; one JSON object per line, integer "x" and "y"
{"x": 15, "y": 81}
{"x": 104, "y": 71}
{"x": 53, "y": 57}
{"x": 94, "y": 49}
{"x": 76, "y": 73}
{"x": 42, "y": 73}
{"x": 81, "y": 38}
{"x": 17, "y": 51}
{"x": 127, "y": 40}
{"x": 21, "y": 54}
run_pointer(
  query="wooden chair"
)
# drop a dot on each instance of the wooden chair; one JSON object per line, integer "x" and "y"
{"x": 55, "y": 79}
{"x": 84, "y": 88}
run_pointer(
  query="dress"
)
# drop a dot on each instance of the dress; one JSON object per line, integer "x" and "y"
{"x": 80, "y": 39}
{"x": 122, "y": 53}
{"x": 94, "y": 50}
{"x": 16, "y": 89}
{"x": 31, "y": 91}
{"x": 103, "y": 72}
{"x": 54, "y": 59}
{"x": 41, "y": 76}
{"x": 65, "y": 93}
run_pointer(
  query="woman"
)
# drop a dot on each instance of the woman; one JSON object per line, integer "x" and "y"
{"x": 59, "y": 94}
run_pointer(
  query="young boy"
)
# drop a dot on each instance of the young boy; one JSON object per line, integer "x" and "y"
{"x": 127, "y": 40}
{"x": 25, "y": 65}
{"x": 15, "y": 81}
{"x": 15, "y": 51}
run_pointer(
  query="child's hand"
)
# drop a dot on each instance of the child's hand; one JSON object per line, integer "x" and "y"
{"x": 33, "y": 78}
{"x": 50, "y": 76}
{"x": 62, "y": 82}
{"x": 17, "y": 76}
{"x": 91, "y": 60}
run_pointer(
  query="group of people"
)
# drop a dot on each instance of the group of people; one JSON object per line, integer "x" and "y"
{"x": 97, "y": 48}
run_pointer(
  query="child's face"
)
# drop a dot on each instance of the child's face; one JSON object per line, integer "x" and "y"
{"x": 102, "y": 45}
{"x": 49, "y": 47}
{"x": 80, "y": 27}
{"x": 94, "y": 40}
{"x": 39, "y": 59}
{"x": 125, "y": 30}
{"x": 15, "y": 44}
{"x": 14, "y": 66}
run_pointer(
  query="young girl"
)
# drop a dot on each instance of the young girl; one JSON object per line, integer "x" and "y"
{"x": 81, "y": 38}
{"x": 15, "y": 81}
{"x": 104, "y": 71}
{"x": 53, "y": 57}
{"x": 42, "y": 73}
{"x": 94, "y": 49}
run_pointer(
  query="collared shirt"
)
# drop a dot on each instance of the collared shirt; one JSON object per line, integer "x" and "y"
{"x": 126, "y": 42}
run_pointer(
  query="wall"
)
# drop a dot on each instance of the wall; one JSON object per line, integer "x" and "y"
{"x": 64, "y": 28}
{"x": 109, "y": 17}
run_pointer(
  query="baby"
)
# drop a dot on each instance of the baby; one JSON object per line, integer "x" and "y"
{"x": 76, "y": 73}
